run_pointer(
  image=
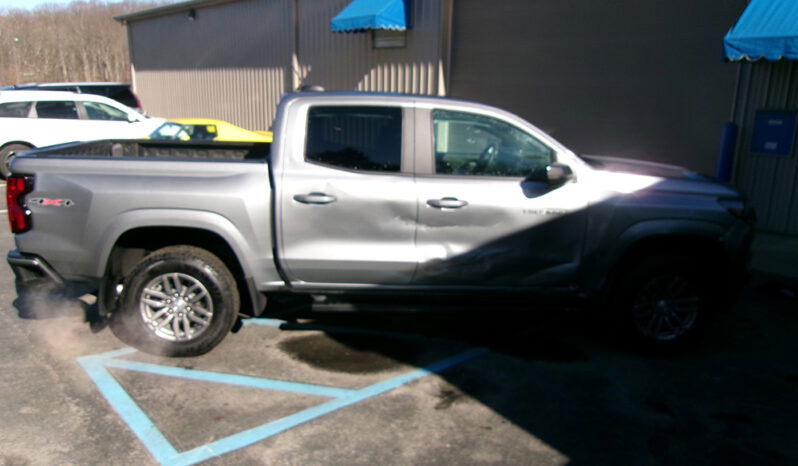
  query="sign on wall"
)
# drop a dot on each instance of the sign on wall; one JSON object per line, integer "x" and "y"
{"x": 774, "y": 133}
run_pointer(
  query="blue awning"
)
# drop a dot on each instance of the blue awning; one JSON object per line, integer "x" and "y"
{"x": 766, "y": 29}
{"x": 361, "y": 15}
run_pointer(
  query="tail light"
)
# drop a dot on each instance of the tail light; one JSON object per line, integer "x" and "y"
{"x": 17, "y": 186}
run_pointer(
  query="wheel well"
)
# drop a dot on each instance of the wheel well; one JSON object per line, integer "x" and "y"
{"x": 706, "y": 251}
{"x": 18, "y": 142}
{"x": 134, "y": 244}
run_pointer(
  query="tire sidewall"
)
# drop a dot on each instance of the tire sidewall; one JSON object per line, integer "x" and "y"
{"x": 130, "y": 327}
{"x": 644, "y": 272}
{"x": 7, "y": 153}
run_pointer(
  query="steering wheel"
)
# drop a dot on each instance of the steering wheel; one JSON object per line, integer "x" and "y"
{"x": 486, "y": 157}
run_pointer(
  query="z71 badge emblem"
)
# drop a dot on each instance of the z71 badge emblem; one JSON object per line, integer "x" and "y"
{"x": 44, "y": 202}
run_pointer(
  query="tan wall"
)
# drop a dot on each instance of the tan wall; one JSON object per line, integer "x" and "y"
{"x": 234, "y": 61}
{"x": 230, "y": 62}
{"x": 346, "y": 61}
{"x": 629, "y": 78}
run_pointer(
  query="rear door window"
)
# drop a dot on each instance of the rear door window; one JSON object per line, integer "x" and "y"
{"x": 355, "y": 137}
{"x": 15, "y": 109}
{"x": 62, "y": 110}
{"x": 100, "y": 111}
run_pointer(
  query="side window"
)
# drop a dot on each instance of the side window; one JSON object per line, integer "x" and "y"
{"x": 355, "y": 137}
{"x": 476, "y": 145}
{"x": 60, "y": 109}
{"x": 99, "y": 111}
{"x": 14, "y": 110}
{"x": 201, "y": 132}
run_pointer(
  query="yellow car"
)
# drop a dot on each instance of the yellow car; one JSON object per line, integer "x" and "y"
{"x": 206, "y": 129}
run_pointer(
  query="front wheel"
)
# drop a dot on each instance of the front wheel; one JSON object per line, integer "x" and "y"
{"x": 663, "y": 304}
{"x": 178, "y": 301}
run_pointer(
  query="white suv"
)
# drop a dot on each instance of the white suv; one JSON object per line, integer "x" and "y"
{"x": 31, "y": 119}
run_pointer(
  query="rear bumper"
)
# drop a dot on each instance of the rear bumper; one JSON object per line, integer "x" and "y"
{"x": 34, "y": 273}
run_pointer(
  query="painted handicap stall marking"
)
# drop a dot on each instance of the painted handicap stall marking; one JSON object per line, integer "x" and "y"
{"x": 97, "y": 367}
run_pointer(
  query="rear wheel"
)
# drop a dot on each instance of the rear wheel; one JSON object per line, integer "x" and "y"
{"x": 7, "y": 153}
{"x": 663, "y": 304}
{"x": 177, "y": 301}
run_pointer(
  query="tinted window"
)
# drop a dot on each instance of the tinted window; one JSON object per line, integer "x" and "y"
{"x": 59, "y": 109}
{"x": 14, "y": 109}
{"x": 201, "y": 132}
{"x": 122, "y": 94}
{"x": 357, "y": 138}
{"x": 98, "y": 111}
{"x": 119, "y": 92}
{"x": 477, "y": 145}
{"x": 59, "y": 88}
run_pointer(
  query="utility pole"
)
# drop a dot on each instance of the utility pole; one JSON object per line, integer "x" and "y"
{"x": 16, "y": 60}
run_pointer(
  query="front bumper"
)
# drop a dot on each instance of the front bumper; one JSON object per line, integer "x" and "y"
{"x": 34, "y": 273}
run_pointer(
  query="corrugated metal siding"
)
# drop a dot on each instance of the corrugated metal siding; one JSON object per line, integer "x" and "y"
{"x": 348, "y": 62}
{"x": 771, "y": 182}
{"x": 245, "y": 97}
{"x": 231, "y": 62}
{"x": 641, "y": 79}
{"x": 234, "y": 61}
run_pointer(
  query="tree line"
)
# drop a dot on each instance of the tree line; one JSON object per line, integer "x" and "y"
{"x": 79, "y": 41}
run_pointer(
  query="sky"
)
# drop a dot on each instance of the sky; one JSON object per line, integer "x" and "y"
{"x": 29, "y": 4}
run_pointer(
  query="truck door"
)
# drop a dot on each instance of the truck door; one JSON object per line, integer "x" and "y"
{"x": 348, "y": 209}
{"x": 487, "y": 217}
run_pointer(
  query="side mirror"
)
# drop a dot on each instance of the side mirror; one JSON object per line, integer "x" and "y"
{"x": 554, "y": 174}
{"x": 558, "y": 174}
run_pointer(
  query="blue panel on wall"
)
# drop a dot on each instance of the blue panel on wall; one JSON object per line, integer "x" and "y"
{"x": 774, "y": 133}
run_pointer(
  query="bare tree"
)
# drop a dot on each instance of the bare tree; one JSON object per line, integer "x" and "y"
{"x": 79, "y": 41}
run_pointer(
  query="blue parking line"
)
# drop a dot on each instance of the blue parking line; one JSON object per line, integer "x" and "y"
{"x": 128, "y": 410}
{"x": 230, "y": 379}
{"x": 97, "y": 366}
{"x": 263, "y": 322}
{"x": 256, "y": 434}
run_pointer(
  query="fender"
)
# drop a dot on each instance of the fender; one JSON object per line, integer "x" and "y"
{"x": 259, "y": 268}
{"x": 599, "y": 264}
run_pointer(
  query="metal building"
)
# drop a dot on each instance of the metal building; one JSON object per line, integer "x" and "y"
{"x": 233, "y": 59}
{"x": 625, "y": 78}
{"x": 765, "y": 110}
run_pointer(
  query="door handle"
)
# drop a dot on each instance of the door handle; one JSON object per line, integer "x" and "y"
{"x": 315, "y": 198}
{"x": 447, "y": 203}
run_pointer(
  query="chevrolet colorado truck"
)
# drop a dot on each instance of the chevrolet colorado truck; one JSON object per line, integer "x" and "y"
{"x": 372, "y": 193}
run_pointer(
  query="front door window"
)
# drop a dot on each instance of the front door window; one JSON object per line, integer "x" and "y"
{"x": 468, "y": 144}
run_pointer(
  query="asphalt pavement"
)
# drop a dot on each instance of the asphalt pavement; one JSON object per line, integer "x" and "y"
{"x": 487, "y": 387}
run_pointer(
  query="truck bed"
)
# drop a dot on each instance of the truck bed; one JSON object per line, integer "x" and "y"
{"x": 173, "y": 150}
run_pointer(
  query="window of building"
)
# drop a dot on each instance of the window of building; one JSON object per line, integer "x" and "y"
{"x": 355, "y": 137}
{"x": 59, "y": 109}
{"x": 387, "y": 39}
{"x": 476, "y": 145}
{"x": 14, "y": 109}
{"x": 99, "y": 111}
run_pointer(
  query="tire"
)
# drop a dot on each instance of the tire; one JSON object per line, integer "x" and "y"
{"x": 664, "y": 304}
{"x": 178, "y": 301}
{"x": 6, "y": 154}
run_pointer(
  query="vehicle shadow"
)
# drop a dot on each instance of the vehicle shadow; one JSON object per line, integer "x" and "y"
{"x": 563, "y": 379}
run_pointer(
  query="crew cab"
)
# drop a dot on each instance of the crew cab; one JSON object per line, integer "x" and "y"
{"x": 372, "y": 193}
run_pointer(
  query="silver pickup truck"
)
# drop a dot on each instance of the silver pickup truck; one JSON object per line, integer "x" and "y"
{"x": 372, "y": 193}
